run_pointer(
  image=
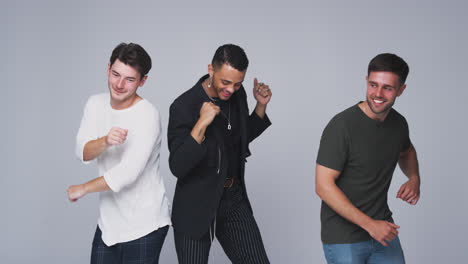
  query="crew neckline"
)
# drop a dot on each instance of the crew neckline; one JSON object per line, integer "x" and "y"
{"x": 128, "y": 108}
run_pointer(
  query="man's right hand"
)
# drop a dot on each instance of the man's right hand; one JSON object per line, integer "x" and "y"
{"x": 383, "y": 231}
{"x": 208, "y": 112}
{"x": 116, "y": 136}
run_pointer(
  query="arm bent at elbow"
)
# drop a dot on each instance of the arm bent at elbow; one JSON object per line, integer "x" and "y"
{"x": 334, "y": 197}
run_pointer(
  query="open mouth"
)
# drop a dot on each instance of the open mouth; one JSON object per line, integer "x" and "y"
{"x": 378, "y": 102}
{"x": 226, "y": 94}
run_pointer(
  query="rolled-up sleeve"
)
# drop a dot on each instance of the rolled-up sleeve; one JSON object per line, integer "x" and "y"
{"x": 87, "y": 130}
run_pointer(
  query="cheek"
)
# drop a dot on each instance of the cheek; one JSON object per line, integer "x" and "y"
{"x": 131, "y": 87}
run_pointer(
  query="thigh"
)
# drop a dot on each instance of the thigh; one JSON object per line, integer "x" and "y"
{"x": 101, "y": 253}
{"x": 392, "y": 254}
{"x": 238, "y": 234}
{"x": 145, "y": 250}
{"x": 192, "y": 251}
{"x": 353, "y": 253}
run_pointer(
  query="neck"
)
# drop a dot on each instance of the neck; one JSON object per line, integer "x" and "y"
{"x": 208, "y": 87}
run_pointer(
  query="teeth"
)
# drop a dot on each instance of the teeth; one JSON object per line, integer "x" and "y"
{"x": 378, "y": 101}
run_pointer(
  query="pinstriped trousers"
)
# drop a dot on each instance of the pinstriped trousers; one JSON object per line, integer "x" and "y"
{"x": 235, "y": 229}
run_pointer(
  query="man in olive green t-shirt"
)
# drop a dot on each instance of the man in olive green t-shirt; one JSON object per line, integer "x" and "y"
{"x": 358, "y": 153}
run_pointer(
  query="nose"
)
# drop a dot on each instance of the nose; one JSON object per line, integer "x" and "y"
{"x": 121, "y": 83}
{"x": 378, "y": 93}
{"x": 230, "y": 88}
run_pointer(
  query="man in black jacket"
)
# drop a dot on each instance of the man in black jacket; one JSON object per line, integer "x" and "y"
{"x": 208, "y": 136}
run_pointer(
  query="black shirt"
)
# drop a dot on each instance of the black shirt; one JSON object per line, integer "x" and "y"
{"x": 229, "y": 115}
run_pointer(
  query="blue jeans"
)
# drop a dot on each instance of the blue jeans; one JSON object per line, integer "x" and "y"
{"x": 144, "y": 250}
{"x": 367, "y": 252}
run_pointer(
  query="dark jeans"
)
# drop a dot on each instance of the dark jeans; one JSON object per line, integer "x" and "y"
{"x": 144, "y": 250}
{"x": 234, "y": 227}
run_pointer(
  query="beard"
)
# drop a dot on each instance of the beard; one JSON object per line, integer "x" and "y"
{"x": 385, "y": 110}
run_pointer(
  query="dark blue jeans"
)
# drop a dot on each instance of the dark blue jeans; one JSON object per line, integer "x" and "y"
{"x": 367, "y": 252}
{"x": 144, "y": 250}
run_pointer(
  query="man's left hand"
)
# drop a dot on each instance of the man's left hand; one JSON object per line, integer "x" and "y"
{"x": 409, "y": 191}
{"x": 262, "y": 92}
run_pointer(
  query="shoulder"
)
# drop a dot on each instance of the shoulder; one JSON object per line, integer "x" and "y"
{"x": 146, "y": 112}
{"x": 98, "y": 99}
{"x": 398, "y": 117}
{"x": 342, "y": 118}
{"x": 188, "y": 97}
{"x": 189, "y": 102}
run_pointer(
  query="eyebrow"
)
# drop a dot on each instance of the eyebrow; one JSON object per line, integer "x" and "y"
{"x": 385, "y": 85}
{"x": 128, "y": 78}
{"x": 224, "y": 80}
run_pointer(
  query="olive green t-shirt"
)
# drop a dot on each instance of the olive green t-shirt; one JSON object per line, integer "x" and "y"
{"x": 366, "y": 152}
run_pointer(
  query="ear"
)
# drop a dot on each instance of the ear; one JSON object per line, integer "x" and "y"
{"x": 402, "y": 88}
{"x": 143, "y": 80}
{"x": 210, "y": 70}
{"x": 367, "y": 78}
{"x": 108, "y": 69}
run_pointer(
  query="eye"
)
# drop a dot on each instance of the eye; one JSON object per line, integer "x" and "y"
{"x": 115, "y": 74}
{"x": 225, "y": 82}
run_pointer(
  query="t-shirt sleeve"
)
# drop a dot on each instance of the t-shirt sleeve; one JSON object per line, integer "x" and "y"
{"x": 87, "y": 130}
{"x": 333, "y": 150}
{"x": 406, "y": 139}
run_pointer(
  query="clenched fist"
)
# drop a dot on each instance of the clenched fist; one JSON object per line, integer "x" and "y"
{"x": 116, "y": 136}
{"x": 208, "y": 112}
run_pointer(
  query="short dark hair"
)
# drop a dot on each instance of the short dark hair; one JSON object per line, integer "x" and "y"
{"x": 231, "y": 55}
{"x": 389, "y": 62}
{"x": 134, "y": 55}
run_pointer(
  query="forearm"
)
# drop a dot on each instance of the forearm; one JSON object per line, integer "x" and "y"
{"x": 408, "y": 163}
{"x": 96, "y": 185}
{"x": 260, "y": 110}
{"x": 94, "y": 148}
{"x": 76, "y": 192}
{"x": 198, "y": 131}
{"x": 337, "y": 200}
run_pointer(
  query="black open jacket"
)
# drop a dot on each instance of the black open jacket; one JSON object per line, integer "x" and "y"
{"x": 201, "y": 169}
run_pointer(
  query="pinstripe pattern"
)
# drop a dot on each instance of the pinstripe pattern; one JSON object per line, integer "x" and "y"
{"x": 236, "y": 231}
{"x": 144, "y": 250}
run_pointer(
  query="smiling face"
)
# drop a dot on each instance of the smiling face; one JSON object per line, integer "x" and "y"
{"x": 123, "y": 82}
{"x": 226, "y": 80}
{"x": 382, "y": 90}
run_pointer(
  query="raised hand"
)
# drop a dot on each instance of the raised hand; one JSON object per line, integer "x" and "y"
{"x": 262, "y": 92}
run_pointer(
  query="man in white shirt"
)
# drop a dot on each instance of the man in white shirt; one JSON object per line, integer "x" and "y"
{"x": 124, "y": 135}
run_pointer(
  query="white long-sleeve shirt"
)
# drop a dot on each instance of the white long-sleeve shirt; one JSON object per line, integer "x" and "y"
{"x": 137, "y": 203}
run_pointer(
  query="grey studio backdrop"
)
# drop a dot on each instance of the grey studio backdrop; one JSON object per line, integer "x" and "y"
{"x": 314, "y": 55}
